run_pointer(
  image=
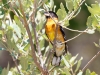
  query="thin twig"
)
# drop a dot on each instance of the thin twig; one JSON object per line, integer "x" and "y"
{"x": 73, "y": 29}
{"x": 72, "y": 71}
{"x": 50, "y": 58}
{"x": 74, "y": 37}
{"x": 93, "y": 58}
{"x": 30, "y": 39}
{"x": 52, "y": 68}
{"x": 35, "y": 33}
{"x": 16, "y": 64}
{"x": 48, "y": 53}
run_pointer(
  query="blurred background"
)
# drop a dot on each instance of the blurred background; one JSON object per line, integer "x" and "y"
{"x": 84, "y": 44}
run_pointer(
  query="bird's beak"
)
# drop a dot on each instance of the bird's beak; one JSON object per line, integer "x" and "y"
{"x": 46, "y": 14}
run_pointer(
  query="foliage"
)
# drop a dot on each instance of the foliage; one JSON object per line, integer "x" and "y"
{"x": 15, "y": 37}
{"x": 93, "y": 20}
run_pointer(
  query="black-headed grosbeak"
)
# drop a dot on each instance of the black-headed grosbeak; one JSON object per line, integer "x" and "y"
{"x": 50, "y": 28}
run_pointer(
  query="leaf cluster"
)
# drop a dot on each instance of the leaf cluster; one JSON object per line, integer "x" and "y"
{"x": 15, "y": 39}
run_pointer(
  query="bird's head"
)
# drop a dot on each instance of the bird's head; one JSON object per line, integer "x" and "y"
{"x": 50, "y": 13}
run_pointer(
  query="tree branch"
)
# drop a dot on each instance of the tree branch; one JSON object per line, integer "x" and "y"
{"x": 16, "y": 64}
{"x": 93, "y": 58}
{"x": 30, "y": 40}
{"x": 74, "y": 37}
{"x": 36, "y": 34}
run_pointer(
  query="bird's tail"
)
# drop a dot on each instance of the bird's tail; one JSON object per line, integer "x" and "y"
{"x": 56, "y": 60}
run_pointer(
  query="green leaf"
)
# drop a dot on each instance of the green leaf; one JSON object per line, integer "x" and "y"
{"x": 1, "y": 34}
{"x": 67, "y": 72}
{"x": 64, "y": 71}
{"x": 9, "y": 33}
{"x": 61, "y": 12}
{"x": 69, "y": 5}
{"x": 8, "y": 67}
{"x": 46, "y": 7}
{"x": 27, "y": 47}
{"x": 78, "y": 65}
{"x": 55, "y": 72}
{"x": 5, "y": 71}
{"x": 93, "y": 23}
{"x": 6, "y": 4}
{"x": 2, "y": 13}
{"x": 51, "y": 4}
{"x": 14, "y": 46}
{"x": 96, "y": 45}
{"x": 10, "y": 41}
{"x": 20, "y": 25}
{"x": 75, "y": 4}
{"x": 80, "y": 73}
{"x": 95, "y": 9}
{"x": 93, "y": 73}
{"x": 24, "y": 63}
{"x": 41, "y": 43}
{"x": 68, "y": 56}
{"x": 40, "y": 20}
{"x": 73, "y": 59}
{"x": 4, "y": 1}
{"x": 0, "y": 23}
{"x": 95, "y": 15}
{"x": 17, "y": 30}
{"x": 38, "y": 17}
{"x": 9, "y": 37}
{"x": 89, "y": 21}
{"x": 87, "y": 72}
{"x": 66, "y": 62}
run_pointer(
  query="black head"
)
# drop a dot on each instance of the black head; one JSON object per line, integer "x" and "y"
{"x": 53, "y": 14}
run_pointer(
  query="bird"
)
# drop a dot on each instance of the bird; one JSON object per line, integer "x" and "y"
{"x": 50, "y": 31}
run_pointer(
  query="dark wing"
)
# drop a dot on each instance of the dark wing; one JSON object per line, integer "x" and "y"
{"x": 64, "y": 38}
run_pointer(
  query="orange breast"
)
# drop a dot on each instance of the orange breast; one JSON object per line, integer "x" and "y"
{"x": 50, "y": 30}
